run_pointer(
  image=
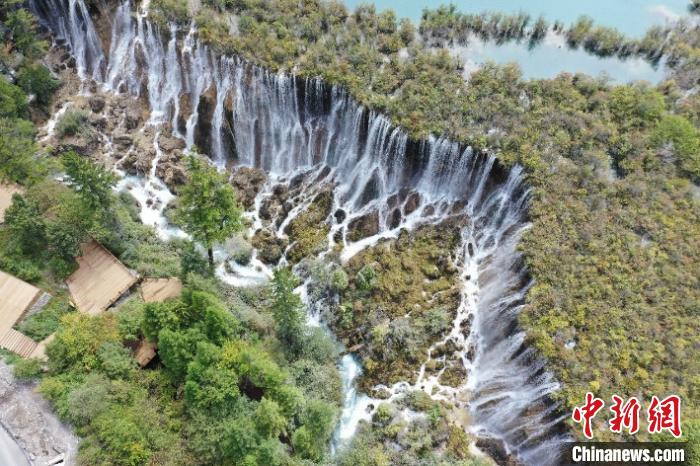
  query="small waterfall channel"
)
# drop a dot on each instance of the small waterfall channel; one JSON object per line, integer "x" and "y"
{"x": 286, "y": 125}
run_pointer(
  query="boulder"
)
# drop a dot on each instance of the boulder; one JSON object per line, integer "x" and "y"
{"x": 270, "y": 247}
{"x": 247, "y": 181}
{"x": 363, "y": 227}
{"x": 97, "y": 103}
{"x": 171, "y": 143}
{"x": 171, "y": 171}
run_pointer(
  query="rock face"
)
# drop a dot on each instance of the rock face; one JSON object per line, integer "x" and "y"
{"x": 247, "y": 182}
{"x": 363, "y": 227}
{"x": 28, "y": 418}
{"x": 171, "y": 170}
{"x": 270, "y": 247}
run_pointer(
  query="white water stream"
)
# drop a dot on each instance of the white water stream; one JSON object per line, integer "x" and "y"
{"x": 284, "y": 125}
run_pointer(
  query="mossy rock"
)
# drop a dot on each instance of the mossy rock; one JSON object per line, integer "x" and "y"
{"x": 412, "y": 276}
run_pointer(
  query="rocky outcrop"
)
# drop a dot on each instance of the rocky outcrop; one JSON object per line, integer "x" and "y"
{"x": 172, "y": 171}
{"x": 270, "y": 247}
{"x": 247, "y": 182}
{"x": 31, "y": 422}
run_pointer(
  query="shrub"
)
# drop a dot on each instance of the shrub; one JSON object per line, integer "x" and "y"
{"x": 26, "y": 369}
{"x": 73, "y": 123}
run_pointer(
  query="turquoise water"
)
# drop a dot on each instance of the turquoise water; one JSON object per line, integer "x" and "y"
{"x": 632, "y": 17}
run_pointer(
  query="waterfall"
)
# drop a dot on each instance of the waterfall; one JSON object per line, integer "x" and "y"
{"x": 238, "y": 112}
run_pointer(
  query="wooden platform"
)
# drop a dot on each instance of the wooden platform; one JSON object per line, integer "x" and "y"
{"x": 6, "y": 192}
{"x": 145, "y": 353}
{"x": 16, "y": 297}
{"x": 160, "y": 289}
{"x": 100, "y": 279}
{"x": 18, "y": 343}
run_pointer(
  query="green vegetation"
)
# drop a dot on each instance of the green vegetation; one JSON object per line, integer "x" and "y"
{"x": 73, "y": 123}
{"x": 429, "y": 439}
{"x": 308, "y": 231}
{"x": 614, "y": 207}
{"x": 217, "y": 396}
{"x": 400, "y": 298}
{"x": 207, "y": 206}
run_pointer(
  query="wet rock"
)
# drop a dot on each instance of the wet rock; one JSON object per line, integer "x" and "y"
{"x": 137, "y": 163}
{"x": 247, "y": 181}
{"x": 395, "y": 219}
{"x": 97, "y": 103}
{"x": 412, "y": 203}
{"x": 172, "y": 171}
{"x": 185, "y": 107}
{"x": 496, "y": 449}
{"x": 99, "y": 122}
{"x": 205, "y": 115}
{"x": 132, "y": 119}
{"x": 340, "y": 215}
{"x": 122, "y": 141}
{"x": 171, "y": 143}
{"x": 371, "y": 189}
{"x": 280, "y": 191}
{"x": 382, "y": 393}
{"x": 363, "y": 227}
{"x": 270, "y": 247}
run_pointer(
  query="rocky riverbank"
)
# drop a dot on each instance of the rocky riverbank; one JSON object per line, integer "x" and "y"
{"x": 29, "y": 419}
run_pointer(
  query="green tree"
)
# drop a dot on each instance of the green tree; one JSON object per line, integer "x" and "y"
{"x": 684, "y": 138}
{"x": 92, "y": 182}
{"x": 208, "y": 208}
{"x": 269, "y": 419}
{"x": 37, "y": 79}
{"x": 13, "y": 102}
{"x": 25, "y": 38}
{"x": 287, "y": 309}
{"x": 17, "y": 149}
{"x": 26, "y": 224}
{"x": 70, "y": 223}
{"x": 210, "y": 388}
{"x": 311, "y": 438}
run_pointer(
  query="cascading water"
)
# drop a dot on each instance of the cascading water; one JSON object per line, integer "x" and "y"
{"x": 283, "y": 124}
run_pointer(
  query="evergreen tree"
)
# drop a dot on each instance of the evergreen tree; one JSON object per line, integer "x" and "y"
{"x": 287, "y": 309}
{"x": 208, "y": 208}
{"x": 92, "y": 182}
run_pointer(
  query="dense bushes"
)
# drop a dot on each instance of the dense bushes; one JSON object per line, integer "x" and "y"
{"x": 217, "y": 395}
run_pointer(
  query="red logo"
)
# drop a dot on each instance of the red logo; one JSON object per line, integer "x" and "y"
{"x": 665, "y": 415}
{"x": 587, "y": 412}
{"x": 661, "y": 415}
{"x": 626, "y": 415}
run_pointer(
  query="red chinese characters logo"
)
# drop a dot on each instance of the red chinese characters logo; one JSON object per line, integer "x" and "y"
{"x": 626, "y": 415}
{"x": 587, "y": 412}
{"x": 665, "y": 415}
{"x": 662, "y": 415}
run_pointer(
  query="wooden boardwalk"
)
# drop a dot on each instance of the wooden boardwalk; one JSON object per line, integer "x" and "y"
{"x": 18, "y": 343}
{"x": 100, "y": 279}
{"x": 160, "y": 289}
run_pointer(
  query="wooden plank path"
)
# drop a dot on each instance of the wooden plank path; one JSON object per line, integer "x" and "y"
{"x": 100, "y": 279}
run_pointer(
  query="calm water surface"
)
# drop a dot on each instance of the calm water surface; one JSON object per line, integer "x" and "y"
{"x": 632, "y": 17}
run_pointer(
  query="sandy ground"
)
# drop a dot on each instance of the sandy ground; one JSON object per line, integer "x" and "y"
{"x": 28, "y": 418}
